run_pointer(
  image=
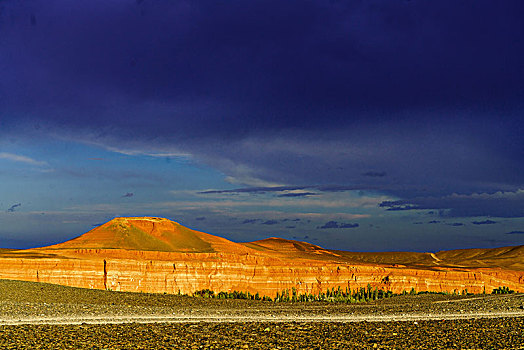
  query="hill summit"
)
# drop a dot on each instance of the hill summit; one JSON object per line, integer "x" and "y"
{"x": 150, "y": 234}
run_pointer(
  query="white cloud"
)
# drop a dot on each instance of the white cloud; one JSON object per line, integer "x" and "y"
{"x": 150, "y": 153}
{"x": 22, "y": 159}
{"x": 355, "y": 203}
{"x": 484, "y": 195}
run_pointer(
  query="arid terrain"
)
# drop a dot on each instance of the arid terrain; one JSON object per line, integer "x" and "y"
{"x": 161, "y": 256}
{"x": 45, "y": 316}
{"x": 122, "y": 285}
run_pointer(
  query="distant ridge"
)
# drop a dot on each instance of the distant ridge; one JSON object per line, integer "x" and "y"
{"x": 511, "y": 257}
{"x": 287, "y": 246}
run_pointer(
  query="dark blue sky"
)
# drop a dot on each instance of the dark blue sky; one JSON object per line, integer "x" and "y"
{"x": 361, "y": 125}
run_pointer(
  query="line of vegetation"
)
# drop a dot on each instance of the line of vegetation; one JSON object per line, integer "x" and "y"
{"x": 502, "y": 290}
{"x": 335, "y": 295}
{"x": 332, "y": 295}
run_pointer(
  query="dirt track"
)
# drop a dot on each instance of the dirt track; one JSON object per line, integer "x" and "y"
{"x": 48, "y": 316}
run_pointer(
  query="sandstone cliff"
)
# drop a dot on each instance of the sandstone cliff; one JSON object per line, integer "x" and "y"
{"x": 158, "y": 255}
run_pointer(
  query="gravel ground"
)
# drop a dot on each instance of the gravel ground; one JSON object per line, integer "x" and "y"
{"x": 497, "y": 333}
{"x": 37, "y": 315}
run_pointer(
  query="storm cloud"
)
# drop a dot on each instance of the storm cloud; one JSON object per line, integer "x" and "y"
{"x": 330, "y": 66}
{"x": 417, "y": 103}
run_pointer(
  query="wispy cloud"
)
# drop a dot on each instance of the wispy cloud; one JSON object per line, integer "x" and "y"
{"x": 375, "y": 173}
{"x": 496, "y": 204}
{"x": 515, "y": 233}
{"x": 256, "y": 189}
{"x": 485, "y": 222}
{"x": 349, "y": 225}
{"x": 456, "y": 224}
{"x": 128, "y": 194}
{"x": 293, "y": 189}
{"x": 292, "y": 196}
{"x": 13, "y": 207}
{"x": 335, "y": 224}
{"x": 298, "y": 194}
{"x": 270, "y": 222}
{"x": 394, "y": 207}
{"x": 157, "y": 153}
{"x": 298, "y": 202}
{"x": 22, "y": 159}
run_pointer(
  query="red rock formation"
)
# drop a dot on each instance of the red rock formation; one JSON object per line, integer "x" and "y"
{"x": 158, "y": 255}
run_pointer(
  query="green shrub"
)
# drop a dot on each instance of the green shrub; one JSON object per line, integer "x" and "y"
{"x": 502, "y": 290}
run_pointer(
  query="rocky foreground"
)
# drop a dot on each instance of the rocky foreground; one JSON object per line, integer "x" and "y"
{"x": 44, "y": 316}
{"x": 503, "y": 333}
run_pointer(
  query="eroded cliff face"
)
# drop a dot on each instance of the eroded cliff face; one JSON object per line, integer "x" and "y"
{"x": 186, "y": 273}
{"x": 161, "y": 256}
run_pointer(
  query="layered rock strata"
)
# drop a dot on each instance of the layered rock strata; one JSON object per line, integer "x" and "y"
{"x": 190, "y": 260}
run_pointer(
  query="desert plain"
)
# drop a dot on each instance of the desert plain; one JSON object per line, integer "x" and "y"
{"x": 44, "y": 316}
